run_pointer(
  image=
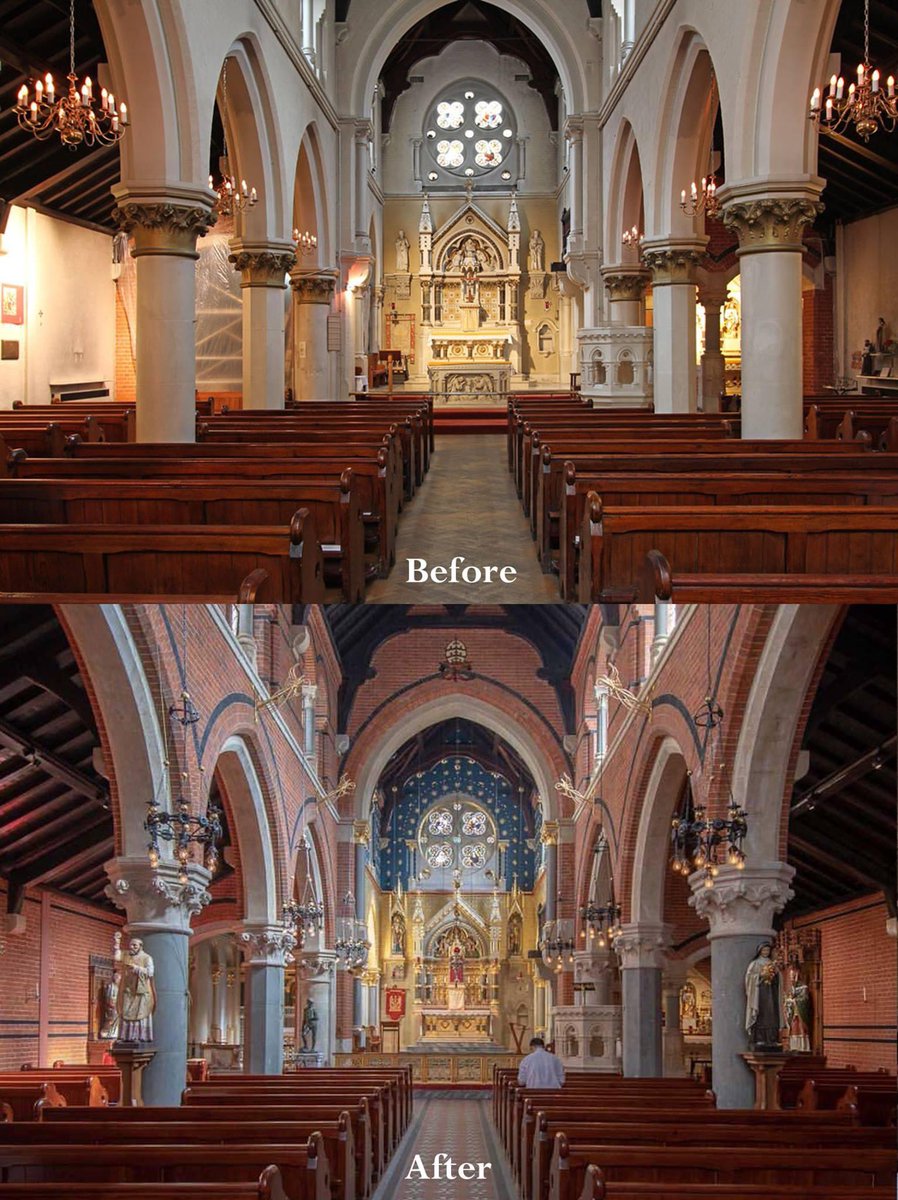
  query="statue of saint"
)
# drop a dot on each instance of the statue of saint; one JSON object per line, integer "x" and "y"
{"x": 763, "y": 1000}
{"x": 797, "y": 1008}
{"x": 456, "y": 965}
{"x": 537, "y": 262}
{"x": 137, "y": 994}
{"x": 398, "y": 934}
{"x": 109, "y": 1022}
{"x": 514, "y": 936}
{"x": 402, "y": 249}
{"x": 309, "y": 1030}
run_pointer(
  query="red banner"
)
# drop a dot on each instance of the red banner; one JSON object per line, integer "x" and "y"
{"x": 395, "y": 1004}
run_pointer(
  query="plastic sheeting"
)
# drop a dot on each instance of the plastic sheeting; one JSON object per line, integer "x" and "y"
{"x": 219, "y": 318}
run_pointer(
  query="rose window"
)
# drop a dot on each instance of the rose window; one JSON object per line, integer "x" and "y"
{"x": 450, "y": 114}
{"x": 488, "y": 154}
{"x": 457, "y": 832}
{"x": 469, "y": 132}
{"x": 440, "y": 855}
{"x": 440, "y": 822}
{"x": 450, "y": 154}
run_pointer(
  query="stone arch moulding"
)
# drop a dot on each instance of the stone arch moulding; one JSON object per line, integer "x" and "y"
{"x": 127, "y": 713}
{"x": 626, "y": 204}
{"x": 652, "y": 848}
{"x": 310, "y": 174}
{"x": 379, "y": 741}
{"x": 767, "y": 737}
{"x": 246, "y": 802}
{"x": 392, "y": 22}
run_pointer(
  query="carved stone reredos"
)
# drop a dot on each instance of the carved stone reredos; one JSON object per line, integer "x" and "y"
{"x": 493, "y": 242}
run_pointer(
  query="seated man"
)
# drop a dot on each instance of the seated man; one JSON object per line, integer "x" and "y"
{"x": 540, "y": 1069}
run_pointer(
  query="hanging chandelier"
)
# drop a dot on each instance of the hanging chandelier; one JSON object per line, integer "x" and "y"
{"x": 232, "y": 198}
{"x": 305, "y": 917}
{"x": 866, "y": 105}
{"x": 352, "y": 946}
{"x": 601, "y": 921}
{"x": 305, "y": 242}
{"x": 556, "y": 948}
{"x": 76, "y": 116}
{"x": 703, "y": 199}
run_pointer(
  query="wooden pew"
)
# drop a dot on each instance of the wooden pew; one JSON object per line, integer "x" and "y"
{"x": 84, "y": 1087}
{"x": 304, "y": 1169}
{"x": 595, "y": 1188}
{"x": 872, "y": 1095}
{"x": 222, "y": 502}
{"x": 745, "y": 544}
{"x": 349, "y": 1161}
{"x": 729, "y": 1164}
{"x": 27, "y": 1100}
{"x": 269, "y": 1186}
{"x": 202, "y": 563}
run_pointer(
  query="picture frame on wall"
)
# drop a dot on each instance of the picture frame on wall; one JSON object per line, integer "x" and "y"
{"x": 12, "y": 304}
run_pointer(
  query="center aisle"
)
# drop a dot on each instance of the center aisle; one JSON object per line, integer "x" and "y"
{"x": 467, "y": 506}
{"x": 454, "y": 1124}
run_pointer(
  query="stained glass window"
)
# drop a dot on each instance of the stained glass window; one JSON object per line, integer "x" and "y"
{"x": 468, "y": 113}
{"x": 457, "y": 832}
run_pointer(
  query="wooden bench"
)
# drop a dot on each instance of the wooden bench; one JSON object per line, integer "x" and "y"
{"x": 595, "y": 1188}
{"x": 269, "y": 1186}
{"x": 25, "y": 1101}
{"x": 84, "y": 1087}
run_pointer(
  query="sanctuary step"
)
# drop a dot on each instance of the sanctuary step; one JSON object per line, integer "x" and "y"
{"x": 469, "y": 420}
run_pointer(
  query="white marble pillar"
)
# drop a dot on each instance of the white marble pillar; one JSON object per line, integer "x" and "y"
{"x": 158, "y": 910}
{"x": 640, "y": 948}
{"x": 308, "y": 30}
{"x": 313, "y": 292}
{"x": 770, "y": 223}
{"x": 574, "y": 134}
{"x": 712, "y": 299}
{"x": 626, "y": 291}
{"x": 263, "y": 268}
{"x": 739, "y": 909}
{"x": 266, "y": 949}
{"x": 673, "y": 265}
{"x": 662, "y": 629}
{"x": 361, "y": 138}
{"x": 309, "y": 694}
{"x": 246, "y": 633}
{"x": 164, "y": 224}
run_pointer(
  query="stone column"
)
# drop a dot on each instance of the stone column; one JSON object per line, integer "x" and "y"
{"x": 662, "y": 629}
{"x": 164, "y": 225}
{"x": 360, "y": 835}
{"x": 318, "y": 973}
{"x": 641, "y": 951}
{"x": 309, "y": 694}
{"x": 673, "y": 266}
{"x": 574, "y": 134}
{"x": 672, "y": 980}
{"x": 739, "y": 908}
{"x": 158, "y": 910}
{"x": 266, "y": 949}
{"x": 263, "y": 268}
{"x": 549, "y": 837}
{"x": 219, "y": 1024}
{"x": 626, "y": 289}
{"x": 770, "y": 229}
{"x": 313, "y": 292}
{"x": 713, "y": 297}
{"x": 361, "y": 137}
{"x": 308, "y": 30}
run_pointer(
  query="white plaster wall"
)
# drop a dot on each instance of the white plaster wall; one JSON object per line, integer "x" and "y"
{"x": 69, "y": 330}
{"x": 868, "y": 267}
{"x": 475, "y": 61}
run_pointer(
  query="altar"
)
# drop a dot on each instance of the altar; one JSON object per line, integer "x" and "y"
{"x": 466, "y": 1025}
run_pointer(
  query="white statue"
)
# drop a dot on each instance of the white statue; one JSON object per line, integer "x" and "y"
{"x": 537, "y": 262}
{"x": 402, "y": 249}
{"x": 136, "y": 994}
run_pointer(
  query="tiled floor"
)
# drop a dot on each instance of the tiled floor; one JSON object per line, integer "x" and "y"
{"x": 467, "y": 506}
{"x": 456, "y": 1124}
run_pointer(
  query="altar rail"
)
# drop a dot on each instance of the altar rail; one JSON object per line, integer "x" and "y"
{"x": 434, "y": 1068}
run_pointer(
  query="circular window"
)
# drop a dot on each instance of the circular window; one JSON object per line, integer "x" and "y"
{"x": 457, "y": 834}
{"x": 469, "y": 132}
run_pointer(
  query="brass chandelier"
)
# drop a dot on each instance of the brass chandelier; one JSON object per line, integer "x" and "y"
{"x": 232, "y": 197}
{"x": 76, "y": 115}
{"x": 703, "y": 199}
{"x": 866, "y": 105}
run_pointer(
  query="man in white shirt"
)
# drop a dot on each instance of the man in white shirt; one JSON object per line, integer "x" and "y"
{"x": 540, "y": 1069}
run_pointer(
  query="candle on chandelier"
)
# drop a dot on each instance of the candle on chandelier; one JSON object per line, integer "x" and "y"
{"x": 832, "y": 85}
{"x": 114, "y": 122}
{"x": 890, "y": 84}
{"x": 123, "y": 113}
{"x": 23, "y": 96}
{"x": 694, "y": 191}
{"x": 243, "y": 187}
{"x": 840, "y": 87}
{"x": 683, "y": 196}
{"x": 829, "y": 108}
{"x": 875, "y": 81}
{"x": 38, "y": 91}
{"x": 33, "y": 112}
{"x": 860, "y": 75}
{"x": 104, "y": 100}
{"x": 815, "y": 100}
{"x": 51, "y": 88}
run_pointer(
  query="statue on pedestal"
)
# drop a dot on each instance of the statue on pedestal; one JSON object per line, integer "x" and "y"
{"x": 537, "y": 261}
{"x": 797, "y": 1008}
{"x": 309, "y": 1029}
{"x": 109, "y": 1023}
{"x": 764, "y": 1016}
{"x": 456, "y": 966}
{"x": 397, "y": 940}
{"x": 137, "y": 993}
{"x": 402, "y": 249}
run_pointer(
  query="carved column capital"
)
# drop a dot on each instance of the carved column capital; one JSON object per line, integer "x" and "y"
{"x": 673, "y": 262}
{"x": 743, "y": 902}
{"x": 266, "y": 945}
{"x": 641, "y": 945}
{"x": 262, "y": 264}
{"x": 361, "y": 833}
{"x": 771, "y": 222}
{"x": 154, "y": 899}
{"x": 626, "y": 283}
{"x": 164, "y": 220}
{"x": 549, "y": 833}
{"x": 313, "y": 287}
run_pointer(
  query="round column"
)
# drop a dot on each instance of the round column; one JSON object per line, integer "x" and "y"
{"x": 360, "y": 835}
{"x": 770, "y": 229}
{"x": 641, "y": 952}
{"x": 673, "y": 977}
{"x": 549, "y": 838}
{"x": 626, "y": 289}
{"x": 159, "y": 909}
{"x": 362, "y": 135}
{"x": 201, "y": 996}
{"x": 263, "y": 268}
{"x": 739, "y": 909}
{"x": 713, "y": 366}
{"x": 673, "y": 266}
{"x": 312, "y": 295}
{"x": 266, "y": 949}
{"x": 317, "y": 971}
{"x": 164, "y": 225}
{"x": 574, "y": 133}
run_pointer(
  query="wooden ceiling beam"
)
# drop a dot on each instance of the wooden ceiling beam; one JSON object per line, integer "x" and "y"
{"x": 50, "y": 763}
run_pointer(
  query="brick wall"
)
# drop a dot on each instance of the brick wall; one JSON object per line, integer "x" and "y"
{"x": 818, "y": 337}
{"x": 72, "y": 931}
{"x": 125, "y": 367}
{"x": 859, "y": 982}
